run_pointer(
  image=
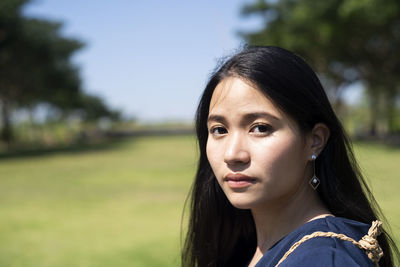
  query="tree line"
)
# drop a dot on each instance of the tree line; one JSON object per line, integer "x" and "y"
{"x": 36, "y": 68}
{"x": 346, "y": 41}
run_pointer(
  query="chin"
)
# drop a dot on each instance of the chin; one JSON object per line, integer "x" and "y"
{"x": 242, "y": 207}
{"x": 241, "y": 203}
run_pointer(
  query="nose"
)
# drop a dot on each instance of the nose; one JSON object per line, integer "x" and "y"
{"x": 236, "y": 151}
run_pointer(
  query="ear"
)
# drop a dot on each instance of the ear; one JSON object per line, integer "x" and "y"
{"x": 318, "y": 138}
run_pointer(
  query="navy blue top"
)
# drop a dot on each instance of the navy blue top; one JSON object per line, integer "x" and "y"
{"x": 320, "y": 251}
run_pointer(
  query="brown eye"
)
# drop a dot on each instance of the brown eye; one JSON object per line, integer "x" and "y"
{"x": 261, "y": 128}
{"x": 218, "y": 130}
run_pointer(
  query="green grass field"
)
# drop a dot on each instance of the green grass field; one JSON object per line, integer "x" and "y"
{"x": 122, "y": 205}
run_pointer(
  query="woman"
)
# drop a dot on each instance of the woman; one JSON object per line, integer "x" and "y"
{"x": 275, "y": 165}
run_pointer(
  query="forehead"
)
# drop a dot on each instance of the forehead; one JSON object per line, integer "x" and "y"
{"x": 233, "y": 94}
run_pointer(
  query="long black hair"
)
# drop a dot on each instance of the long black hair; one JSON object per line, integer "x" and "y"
{"x": 221, "y": 235}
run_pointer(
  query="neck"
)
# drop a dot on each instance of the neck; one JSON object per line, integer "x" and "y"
{"x": 277, "y": 220}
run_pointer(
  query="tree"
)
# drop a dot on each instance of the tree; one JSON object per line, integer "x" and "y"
{"x": 345, "y": 40}
{"x": 35, "y": 67}
{"x": 93, "y": 108}
{"x": 34, "y": 63}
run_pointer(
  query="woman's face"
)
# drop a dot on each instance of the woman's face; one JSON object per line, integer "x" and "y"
{"x": 257, "y": 153}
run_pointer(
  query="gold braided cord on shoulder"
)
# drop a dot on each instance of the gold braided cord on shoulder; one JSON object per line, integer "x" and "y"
{"x": 367, "y": 243}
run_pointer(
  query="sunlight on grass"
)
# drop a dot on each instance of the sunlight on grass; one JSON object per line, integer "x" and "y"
{"x": 117, "y": 207}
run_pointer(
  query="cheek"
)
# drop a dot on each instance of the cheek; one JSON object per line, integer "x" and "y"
{"x": 216, "y": 159}
{"x": 212, "y": 155}
{"x": 282, "y": 160}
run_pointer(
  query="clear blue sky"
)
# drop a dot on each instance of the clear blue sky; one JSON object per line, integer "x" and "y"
{"x": 150, "y": 59}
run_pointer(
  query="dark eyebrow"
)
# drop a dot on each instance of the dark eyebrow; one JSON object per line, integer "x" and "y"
{"x": 256, "y": 115}
{"x": 246, "y": 117}
{"x": 217, "y": 118}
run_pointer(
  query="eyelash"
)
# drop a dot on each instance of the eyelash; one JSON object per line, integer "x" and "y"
{"x": 265, "y": 129}
{"x": 212, "y": 130}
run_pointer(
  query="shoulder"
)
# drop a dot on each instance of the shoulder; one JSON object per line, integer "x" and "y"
{"x": 327, "y": 251}
{"x": 325, "y": 257}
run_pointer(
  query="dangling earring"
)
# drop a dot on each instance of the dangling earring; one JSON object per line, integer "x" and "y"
{"x": 314, "y": 181}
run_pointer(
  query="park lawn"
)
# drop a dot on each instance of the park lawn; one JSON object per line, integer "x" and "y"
{"x": 122, "y": 205}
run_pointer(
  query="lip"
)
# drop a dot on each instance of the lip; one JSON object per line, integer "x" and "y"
{"x": 238, "y": 180}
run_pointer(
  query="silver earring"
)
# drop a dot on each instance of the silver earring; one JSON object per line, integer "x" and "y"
{"x": 314, "y": 181}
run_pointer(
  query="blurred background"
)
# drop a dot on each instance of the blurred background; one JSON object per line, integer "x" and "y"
{"x": 97, "y": 99}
